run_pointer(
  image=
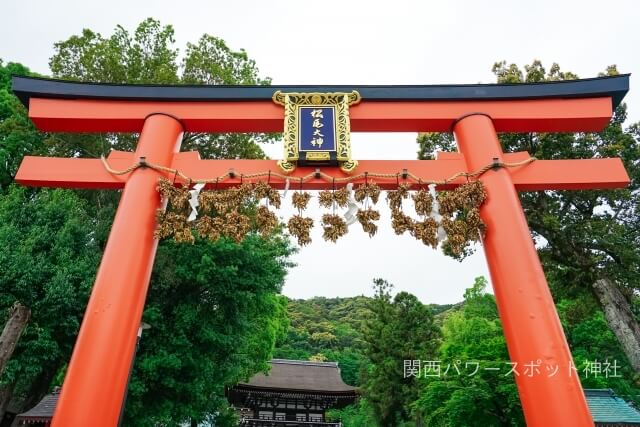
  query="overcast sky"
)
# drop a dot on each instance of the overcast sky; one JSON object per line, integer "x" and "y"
{"x": 364, "y": 42}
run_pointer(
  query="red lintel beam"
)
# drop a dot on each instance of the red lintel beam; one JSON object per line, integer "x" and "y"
{"x": 539, "y": 175}
{"x": 538, "y": 115}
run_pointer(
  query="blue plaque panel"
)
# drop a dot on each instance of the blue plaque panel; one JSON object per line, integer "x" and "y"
{"x": 317, "y": 129}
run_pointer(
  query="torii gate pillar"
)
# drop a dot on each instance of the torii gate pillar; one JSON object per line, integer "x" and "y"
{"x": 115, "y": 308}
{"x": 530, "y": 322}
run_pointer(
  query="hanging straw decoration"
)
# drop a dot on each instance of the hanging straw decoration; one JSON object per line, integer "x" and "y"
{"x": 461, "y": 220}
{"x": 448, "y": 217}
{"x": 266, "y": 220}
{"x": 370, "y": 191}
{"x": 422, "y": 202}
{"x": 299, "y": 226}
{"x": 400, "y": 222}
{"x": 300, "y": 200}
{"x": 366, "y": 216}
{"x": 395, "y": 197}
{"x": 209, "y": 228}
{"x": 179, "y": 197}
{"x": 426, "y": 228}
{"x": 171, "y": 224}
{"x": 329, "y": 199}
{"x": 334, "y": 227}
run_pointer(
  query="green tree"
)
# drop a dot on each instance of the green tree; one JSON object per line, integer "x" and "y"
{"x": 48, "y": 257}
{"x": 598, "y": 356}
{"x": 399, "y": 329}
{"x": 589, "y": 239}
{"x": 206, "y": 333}
{"x": 148, "y": 56}
{"x": 214, "y": 307}
{"x": 472, "y": 336}
{"x": 330, "y": 328}
{"x": 18, "y": 136}
{"x": 358, "y": 415}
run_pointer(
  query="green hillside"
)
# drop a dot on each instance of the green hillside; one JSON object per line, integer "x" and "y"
{"x": 370, "y": 338}
{"x": 330, "y": 329}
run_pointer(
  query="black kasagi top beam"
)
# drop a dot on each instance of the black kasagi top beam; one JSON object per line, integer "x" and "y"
{"x": 615, "y": 87}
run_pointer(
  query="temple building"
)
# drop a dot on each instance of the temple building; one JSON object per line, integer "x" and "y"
{"x": 41, "y": 414}
{"x": 609, "y": 410}
{"x": 297, "y": 393}
{"x": 294, "y": 393}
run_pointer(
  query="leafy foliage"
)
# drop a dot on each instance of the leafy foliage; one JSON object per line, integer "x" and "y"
{"x": 341, "y": 324}
{"x": 214, "y": 308}
{"x": 358, "y": 415}
{"x": 18, "y": 136}
{"x": 48, "y": 259}
{"x": 593, "y": 345}
{"x": 589, "y": 233}
{"x": 400, "y": 328}
{"x": 148, "y": 56}
{"x": 327, "y": 329}
{"x": 473, "y": 335}
{"x": 584, "y": 236}
{"x": 471, "y": 332}
{"x": 215, "y": 317}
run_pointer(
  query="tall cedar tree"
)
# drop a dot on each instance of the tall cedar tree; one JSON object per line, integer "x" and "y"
{"x": 400, "y": 328}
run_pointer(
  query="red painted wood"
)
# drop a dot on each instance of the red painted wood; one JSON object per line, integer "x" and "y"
{"x": 539, "y": 175}
{"x": 531, "y": 325}
{"x": 552, "y": 115}
{"x": 96, "y": 380}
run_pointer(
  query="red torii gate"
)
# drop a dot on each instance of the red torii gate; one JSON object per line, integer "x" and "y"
{"x": 97, "y": 376}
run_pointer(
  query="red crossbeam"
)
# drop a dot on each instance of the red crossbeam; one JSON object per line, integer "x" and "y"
{"x": 548, "y": 115}
{"x": 539, "y": 175}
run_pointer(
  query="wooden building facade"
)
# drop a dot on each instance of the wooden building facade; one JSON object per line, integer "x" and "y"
{"x": 294, "y": 393}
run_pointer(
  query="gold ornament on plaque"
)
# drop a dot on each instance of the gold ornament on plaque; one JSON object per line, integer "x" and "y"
{"x": 317, "y": 129}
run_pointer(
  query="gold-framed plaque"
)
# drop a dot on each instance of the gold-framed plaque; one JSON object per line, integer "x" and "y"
{"x": 317, "y": 129}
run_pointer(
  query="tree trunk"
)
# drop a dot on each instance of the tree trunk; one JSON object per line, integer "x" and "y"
{"x": 6, "y": 393}
{"x": 620, "y": 318}
{"x": 18, "y": 319}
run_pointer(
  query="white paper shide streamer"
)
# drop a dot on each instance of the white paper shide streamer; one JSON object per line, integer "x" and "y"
{"x": 352, "y": 207}
{"x": 435, "y": 213}
{"x": 193, "y": 201}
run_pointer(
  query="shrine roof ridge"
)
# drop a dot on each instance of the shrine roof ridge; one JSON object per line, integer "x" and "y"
{"x": 615, "y": 87}
{"x": 304, "y": 362}
{"x": 300, "y": 375}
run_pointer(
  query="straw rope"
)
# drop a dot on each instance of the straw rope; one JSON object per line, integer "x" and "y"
{"x": 231, "y": 174}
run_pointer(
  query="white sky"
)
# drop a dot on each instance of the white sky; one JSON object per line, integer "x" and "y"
{"x": 364, "y": 42}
